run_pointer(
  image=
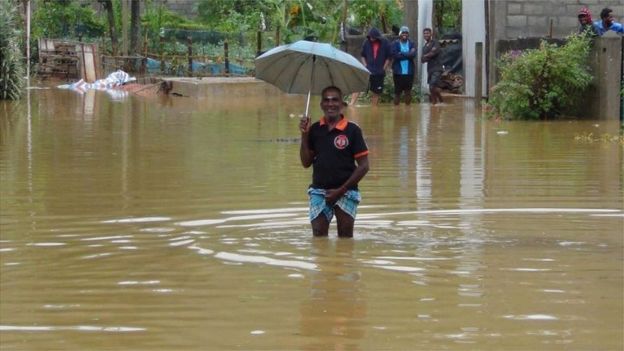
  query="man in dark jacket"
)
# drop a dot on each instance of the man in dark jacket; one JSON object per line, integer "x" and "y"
{"x": 403, "y": 54}
{"x": 376, "y": 57}
{"x": 433, "y": 58}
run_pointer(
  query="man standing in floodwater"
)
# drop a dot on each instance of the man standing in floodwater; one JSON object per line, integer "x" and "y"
{"x": 403, "y": 54}
{"x": 376, "y": 57}
{"x": 338, "y": 154}
{"x": 432, "y": 56}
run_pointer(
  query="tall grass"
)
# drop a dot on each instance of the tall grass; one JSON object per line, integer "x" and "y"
{"x": 11, "y": 63}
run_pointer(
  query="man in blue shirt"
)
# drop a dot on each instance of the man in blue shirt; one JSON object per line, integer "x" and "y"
{"x": 607, "y": 23}
{"x": 403, "y": 54}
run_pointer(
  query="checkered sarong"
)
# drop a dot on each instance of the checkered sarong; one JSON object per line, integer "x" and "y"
{"x": 348, "y": 203}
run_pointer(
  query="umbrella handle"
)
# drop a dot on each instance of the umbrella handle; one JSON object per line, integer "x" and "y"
{"x": 307, "y": 104}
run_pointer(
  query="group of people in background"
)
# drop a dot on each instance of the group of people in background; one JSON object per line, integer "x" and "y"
{"x": 600, "y": 27}
{"x": 377, "y": 55}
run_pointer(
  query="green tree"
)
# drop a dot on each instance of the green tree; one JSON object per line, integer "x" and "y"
{"x": 447, "y": 15}
{"x": 11, "y": 62}
{"x": 381, "y": 13}
{"x": 65, "y": 18}
{"x": 112, "y": 31}
{"x": 232, "y": 15}
{"x": 544, "y": 82}
{"x": 135, "y": 27}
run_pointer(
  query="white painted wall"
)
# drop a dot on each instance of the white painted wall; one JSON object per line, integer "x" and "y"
{"x": 425, "y": 19}
{"x": 473, "y": 31}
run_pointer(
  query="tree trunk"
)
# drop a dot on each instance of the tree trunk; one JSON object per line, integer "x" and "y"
{"x": 384, "y": 24}
{"x": 108, "y": 6}
{"x": 135, "y": 26}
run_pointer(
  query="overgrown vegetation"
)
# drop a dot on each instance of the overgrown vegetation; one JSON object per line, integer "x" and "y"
{"x": 603, "y": 138}
{"x": 238, "y": 21}
{"x": 542, "y": 83}
{"x": 11, "y": 63}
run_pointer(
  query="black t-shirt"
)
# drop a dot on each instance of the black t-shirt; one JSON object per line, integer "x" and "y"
{"x": 335, "y": 153}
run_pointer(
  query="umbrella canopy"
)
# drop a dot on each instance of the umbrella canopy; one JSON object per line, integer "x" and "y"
{"x": 306, "y": 67}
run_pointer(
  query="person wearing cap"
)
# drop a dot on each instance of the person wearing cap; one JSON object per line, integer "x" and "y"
{"x": 376, "y": 57}
{"x": 432, "y": 56}
{"x": 403, "y": 53}
{"x": 607, "y": 23}
{"x": 586, "y": 24}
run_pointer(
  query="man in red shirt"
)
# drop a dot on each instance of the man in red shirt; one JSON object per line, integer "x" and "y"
{"x": 338, "y": 153}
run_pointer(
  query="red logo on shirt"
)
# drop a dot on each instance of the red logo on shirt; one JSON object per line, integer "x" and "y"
{"x": 341, "y": 141}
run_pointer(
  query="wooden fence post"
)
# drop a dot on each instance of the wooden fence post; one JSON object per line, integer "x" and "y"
{"x": 227, "y": 57}
{"x": 144, "y": 60}
{"x": 162, "y": 55}
{"x": 478, "y": 73}
{"x": 189, "y": 41}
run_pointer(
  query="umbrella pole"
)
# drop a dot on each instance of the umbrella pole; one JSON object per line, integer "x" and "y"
{"x": 307, "y": 109}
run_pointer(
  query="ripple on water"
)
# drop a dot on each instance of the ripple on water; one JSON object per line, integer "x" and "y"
{"x": 89, "y": 328}
{"x": 201, "y": 250}
{"x": 137, "y": 220}
{"x": 161, "y": 230}
{"x": 228, "y": 256}
{"x": 531, "y": 317}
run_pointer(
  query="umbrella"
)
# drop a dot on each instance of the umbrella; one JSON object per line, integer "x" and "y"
{"x": 306, "y": 67}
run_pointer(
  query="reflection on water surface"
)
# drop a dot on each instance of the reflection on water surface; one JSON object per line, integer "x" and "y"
{"x": 182, "y": 224}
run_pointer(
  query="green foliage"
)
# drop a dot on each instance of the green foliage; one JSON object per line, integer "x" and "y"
{"x": 381, "y": 14}
{"x": 541, "y": 83}
{"x": 158, "y": 16}
{"x": 447, "y": 14}
{"x": 11, "y": 62}
{"x": 65, "y": 18}
{"x": 295, "y": 19}
{"x": 236, "y": 21}
{"x": 230, "y": 15}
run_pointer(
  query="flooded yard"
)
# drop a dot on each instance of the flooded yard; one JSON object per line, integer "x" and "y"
{"x": 181, "y": 224}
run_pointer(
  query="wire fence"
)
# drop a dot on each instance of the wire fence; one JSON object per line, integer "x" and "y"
{"x": 172, "y": 52}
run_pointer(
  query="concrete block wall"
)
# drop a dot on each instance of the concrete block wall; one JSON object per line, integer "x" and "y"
{"x": 513, "y": 19}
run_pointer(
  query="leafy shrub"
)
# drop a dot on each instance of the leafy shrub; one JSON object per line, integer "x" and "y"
{"x": 541, "y": 83}
{"x": 11, "y": 63}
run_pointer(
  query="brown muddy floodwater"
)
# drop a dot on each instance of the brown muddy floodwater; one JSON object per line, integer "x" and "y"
{"x": 181, "y": 224}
